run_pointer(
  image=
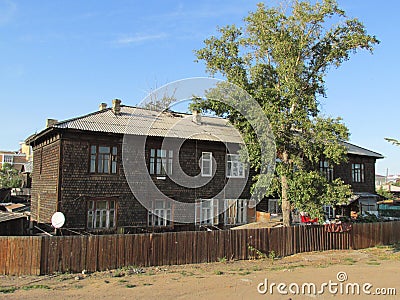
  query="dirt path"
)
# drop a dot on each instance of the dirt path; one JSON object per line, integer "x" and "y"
{"x": 225, "y": 280}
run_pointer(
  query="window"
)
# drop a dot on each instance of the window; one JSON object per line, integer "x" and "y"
{"x": 161, "y": 161}
{"x": 101, "y": 214}
{"x": 206, "y": 164}
{"x": 357, "y": 171}
{"x": 234, "y": 167}
{"x": 235, "y": 211}
{"x": 103, "y": 159}
{"x": 326, "y": 169}
{"x": 161, "y": 213}
{"x": 329, "y": 211}
{"x": 8, "y": 159}
{"x": 206, "y": 212}
{"x": 274, "y": 207}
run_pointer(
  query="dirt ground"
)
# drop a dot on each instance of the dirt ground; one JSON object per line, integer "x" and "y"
{"x": 379, "y": 267}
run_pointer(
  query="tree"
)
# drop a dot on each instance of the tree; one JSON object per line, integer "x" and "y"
{"x": 393, "y": 141}
{"x": 9, "y": 177}
{"x": 281, "y": 59}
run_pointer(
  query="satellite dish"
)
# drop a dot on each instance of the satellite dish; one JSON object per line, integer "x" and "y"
{"x": 58, "y": 219}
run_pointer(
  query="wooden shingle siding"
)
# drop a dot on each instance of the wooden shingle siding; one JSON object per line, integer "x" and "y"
{"x": 45, "y": 179}
{"x": 344, "y": 172}
{"x": 62, "y": 179}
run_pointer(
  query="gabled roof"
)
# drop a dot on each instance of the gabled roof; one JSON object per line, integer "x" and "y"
{"x": 139, "y": 121}
{"x": 357, "y": 150}
{"x": 145, "y": 122}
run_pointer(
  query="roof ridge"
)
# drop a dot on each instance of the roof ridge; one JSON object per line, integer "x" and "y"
{"x": 83, "y": 116}
{"x": 127, "y": 106}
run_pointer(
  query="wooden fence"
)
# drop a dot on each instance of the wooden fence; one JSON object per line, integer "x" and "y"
{"x": 45, "y": 255}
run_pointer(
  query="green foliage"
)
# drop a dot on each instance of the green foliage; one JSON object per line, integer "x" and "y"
{"x": 35, "y": 286}
{"x": 310, "y": 190}
{"x": 255, "y": 253}
{"x": 384, "y": 193}
{"x": 393, "y": 141}
{"x": 281, "y": 58}
{"x": 9, "y": 177}
{"x": 222, "y": 260}
{"x": 368, "y": 218}
{"x": 8, "y": 290}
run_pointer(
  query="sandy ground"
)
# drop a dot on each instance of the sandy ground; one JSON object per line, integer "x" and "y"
{"x": 378, "y": 266}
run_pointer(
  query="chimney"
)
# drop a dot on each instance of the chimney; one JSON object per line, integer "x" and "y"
{"x": 102, "y": 106}
{"x": 196, "y": 117}
{"x": 50, "y": 122}
{"x": 116, "y": 106}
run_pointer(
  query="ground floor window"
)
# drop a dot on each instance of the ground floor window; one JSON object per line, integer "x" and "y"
{"x": 236, "y": 211}
{"x": 101, "y": 214}
{"x": 329, "y": 211}
{"x": 206, "y": 212}
{"x": 367, "y": 205}
{"x": 160, "y": 214}
{"x": 274, "y": 207}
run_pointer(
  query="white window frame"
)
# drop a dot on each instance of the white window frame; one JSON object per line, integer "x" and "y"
{"x": 206, "y": 212}
{"x": 326, "y": 169}
{"x": 358, "y": 172}
{"x": 101, "y": 218}
{"x": 330, "y": 211}
{"x": 235, "y": 211}
{"x": 273, "y": 206}
{"x": 233, "y": 162}
{"x": 161, "y": 161}
{"x": 5, "y": 161}
{"x": 160, "y": 214}
{"x": 206, "y": 161}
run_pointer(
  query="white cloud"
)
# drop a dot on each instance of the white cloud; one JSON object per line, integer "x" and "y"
{"x": 140, "y": 38}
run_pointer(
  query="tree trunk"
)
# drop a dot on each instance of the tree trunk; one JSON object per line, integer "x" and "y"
{"x": 285, "y": 202}
{"x": 286, "y": 211}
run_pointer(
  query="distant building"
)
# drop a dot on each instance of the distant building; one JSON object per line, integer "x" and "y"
{"x": 380, "y": 180}
{"x": 14, "y": 158}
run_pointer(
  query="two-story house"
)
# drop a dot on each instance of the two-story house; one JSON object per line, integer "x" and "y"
{"x": 79, "y": 169}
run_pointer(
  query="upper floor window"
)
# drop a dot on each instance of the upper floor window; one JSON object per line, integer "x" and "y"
{"x": 161, "y": 213}
{"x": 234, "y": 166}
{"x": 101, "y": 214}
{"x": 161, "y": 161}
{"x": 357, "y": 172}
{"x": 206, "y": 164}
{"x": 103, "y": 159}
{"x": 326, "y": 169}
{"x": 8, "y": 159}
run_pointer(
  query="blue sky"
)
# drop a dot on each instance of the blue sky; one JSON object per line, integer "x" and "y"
{"x": 60, "y": 59}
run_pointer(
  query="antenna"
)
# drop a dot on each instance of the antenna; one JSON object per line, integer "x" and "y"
{"x": 58, "y": 220}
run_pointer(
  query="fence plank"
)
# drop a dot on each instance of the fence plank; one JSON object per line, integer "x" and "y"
{"x": 45, "y": 255}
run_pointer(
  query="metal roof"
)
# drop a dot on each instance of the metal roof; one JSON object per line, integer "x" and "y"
{"x": 139, "y": 121}
{"x": 357, "y": 150}
{"x": 7, "y": 216}
{"x": 145, "y": 122}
